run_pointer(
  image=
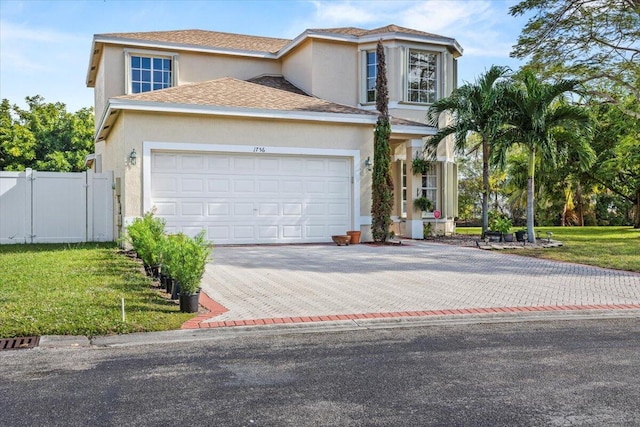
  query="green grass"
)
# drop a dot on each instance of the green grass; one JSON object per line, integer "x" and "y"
{"x": 76, "y": 290}
{"x": 608, "y": 247}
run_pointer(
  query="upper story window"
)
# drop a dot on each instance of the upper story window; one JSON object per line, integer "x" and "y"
{"x": 372, "y": 74}
{"x": 422, "y": 77}
{"x": 150, "y": 73}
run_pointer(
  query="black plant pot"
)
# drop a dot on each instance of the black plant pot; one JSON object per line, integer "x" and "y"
{"x": 508, "y": 237}
{"x": 175, "y": 289}
{"x": 189, "y": 302}
{"x": 169, "y": 284}
{"x": 520, "y": 236}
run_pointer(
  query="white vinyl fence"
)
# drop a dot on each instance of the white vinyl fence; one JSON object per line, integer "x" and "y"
{"x": 56, "y": 207}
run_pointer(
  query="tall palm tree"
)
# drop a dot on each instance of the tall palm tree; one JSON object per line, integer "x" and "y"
{"x": 535, "y": 113}
{"x": 474, "y": 108}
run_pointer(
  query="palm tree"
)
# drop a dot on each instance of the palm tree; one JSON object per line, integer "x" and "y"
{"x": 535, "y": 113}
{"x": 475, "y": 110}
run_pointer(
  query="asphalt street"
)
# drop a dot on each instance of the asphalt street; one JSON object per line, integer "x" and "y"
{"x": 558, "y": 373}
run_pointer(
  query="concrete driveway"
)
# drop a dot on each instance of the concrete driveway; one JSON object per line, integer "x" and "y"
{"x": 266, "y": 284}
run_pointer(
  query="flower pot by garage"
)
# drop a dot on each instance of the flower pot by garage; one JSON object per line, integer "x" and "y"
{"x": 189, "y": 302}
{"x": 355, "y": 237}
{"x": 521, "y": 235}
{"x": 341, "y": 240}
{"x": 507, "y": 237}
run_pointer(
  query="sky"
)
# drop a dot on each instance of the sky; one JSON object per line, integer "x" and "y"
{"x": 45, "y": 45}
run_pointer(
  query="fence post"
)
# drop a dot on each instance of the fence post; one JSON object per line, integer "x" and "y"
{"x": 89, "y": 205}
{"x": 29, "y": 176}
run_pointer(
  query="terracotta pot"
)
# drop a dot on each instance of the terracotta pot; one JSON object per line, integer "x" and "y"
{"x": 355, "y": 237}
{"x": 341, "y": 240}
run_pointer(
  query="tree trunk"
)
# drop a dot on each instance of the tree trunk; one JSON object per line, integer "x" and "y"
{"x": 530, "y": 187}
{"x": 636, "y": 211}
{"x": 579, "y": 204}
{"x": 485, "y": 187}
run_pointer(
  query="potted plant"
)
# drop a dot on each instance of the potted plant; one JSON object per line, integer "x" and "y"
{"x": 191, "y": 258}
{"x": 422, "y": 204}
{"x": 420, "y": 166}
{"x": 502, "y": 225}
{"x": 145, "y": 235}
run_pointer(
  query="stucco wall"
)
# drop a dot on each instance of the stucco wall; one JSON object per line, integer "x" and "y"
{"x": 112, "y": 82}
{"x": 297, "y": 67}
{"x": 335, "y": 72}
{"x": 198, "y": 67}
{"x": 139, "y": 127}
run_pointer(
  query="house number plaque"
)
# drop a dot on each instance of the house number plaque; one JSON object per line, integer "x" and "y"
{"x": 259, "y": 150}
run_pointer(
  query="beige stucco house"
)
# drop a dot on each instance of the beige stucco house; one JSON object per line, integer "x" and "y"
{"x": 265, "y": 140}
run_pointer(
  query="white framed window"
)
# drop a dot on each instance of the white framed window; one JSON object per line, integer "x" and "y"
{"x": 371, "y": 75}
{"x": 422, "y": 76}
{"x": 148, "y": 71}
{"x": 428, "y": 189}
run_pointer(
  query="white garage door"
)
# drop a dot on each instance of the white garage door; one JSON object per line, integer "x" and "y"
{"x": 248, "y": 198}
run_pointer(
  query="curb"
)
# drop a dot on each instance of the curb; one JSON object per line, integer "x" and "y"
{"x": 201, "y": 322}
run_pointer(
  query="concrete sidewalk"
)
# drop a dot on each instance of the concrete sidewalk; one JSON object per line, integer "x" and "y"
{"x": 255, "y": 285}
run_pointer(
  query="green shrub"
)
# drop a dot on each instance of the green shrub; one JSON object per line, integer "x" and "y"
{"x": 145, "y": 235}
{"x": 189, "y": 260}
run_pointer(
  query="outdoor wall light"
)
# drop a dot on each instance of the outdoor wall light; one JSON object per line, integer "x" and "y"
{"x": 132, "y": 157}
{"x": 367, "y": 164}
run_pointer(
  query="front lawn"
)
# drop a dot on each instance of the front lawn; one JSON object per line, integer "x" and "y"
{"x": 609, "y": 247}
{"x": 76, "y": 289}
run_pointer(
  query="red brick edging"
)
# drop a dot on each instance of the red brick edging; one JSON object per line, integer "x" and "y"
{"x": 217, "y": 309}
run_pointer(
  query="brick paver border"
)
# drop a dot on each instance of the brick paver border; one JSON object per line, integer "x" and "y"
{"x": 216, "y": 309}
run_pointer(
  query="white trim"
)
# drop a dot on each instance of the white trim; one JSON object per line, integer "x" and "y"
{"x": 415, "y": 143}
{"x": 166, "y": 107}
{"x": 149, "y": 146}
{"x": 124, "y": 104}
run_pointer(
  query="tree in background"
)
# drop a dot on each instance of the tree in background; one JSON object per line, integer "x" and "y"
{"x": 591, "y": 41}
{"x": 534, "y": 118}
{"x": 617, "y": 144}
{"x": 382, "y": 185}
{"x": 475, "y": 110}
{"x": 45, "y": 137}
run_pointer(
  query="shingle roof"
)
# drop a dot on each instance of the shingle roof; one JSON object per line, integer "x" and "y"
{"x": 233, "y": 93}
{"x": 360, "y": 32}
{"x": 207, "y": 39}
{"x": 277, "y": 82}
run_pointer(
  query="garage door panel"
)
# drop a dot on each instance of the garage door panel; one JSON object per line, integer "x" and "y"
{"x": 192, "y": 185}
{"x": 192, "y": 162}
{"x": 243, "y": 232}
{"x": 253, "y": 198}
{"x": 268, "y": 209}
{"x": 268, "y": 232}
{"x": 292, "y": 209}
{"x": 243, "y": 164}
{"x": 267, "y": 187}
{"x": 192, "y": 209}
{"x": 243, "y": 209}
{"x": 166, "y": 209}
{"x": 218, "y": 209}
{"x": 218, "y": 186}
{"x": 164, "y": 162}
{"x": 292, "y": 231}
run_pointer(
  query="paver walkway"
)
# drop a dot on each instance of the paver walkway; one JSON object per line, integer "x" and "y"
{"x": 278, "y": 284}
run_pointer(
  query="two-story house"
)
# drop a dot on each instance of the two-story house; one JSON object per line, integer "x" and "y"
{"x": 265, "y": 140}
